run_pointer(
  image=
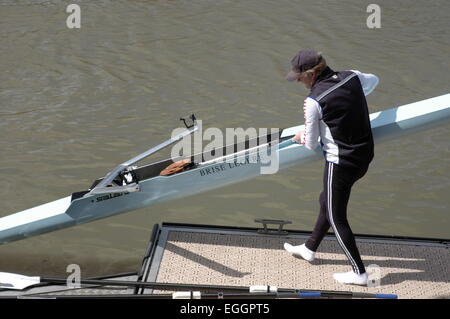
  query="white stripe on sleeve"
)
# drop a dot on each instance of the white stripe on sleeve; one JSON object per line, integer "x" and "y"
{"x": 312, "y": 116}
{"x": 368, "y": 81}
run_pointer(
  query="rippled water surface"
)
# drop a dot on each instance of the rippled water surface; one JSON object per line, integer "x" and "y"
{"x": 76, "y": 102}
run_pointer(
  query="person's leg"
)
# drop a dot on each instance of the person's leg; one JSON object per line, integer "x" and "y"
{"x": 322, "y": 224}
{"x": 307, "y": 250}
{"x": 339, "y": 187}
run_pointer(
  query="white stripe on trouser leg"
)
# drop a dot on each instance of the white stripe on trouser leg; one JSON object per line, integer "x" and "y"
{"x": 330, "y": 213}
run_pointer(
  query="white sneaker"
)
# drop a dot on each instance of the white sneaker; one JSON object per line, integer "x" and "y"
{"x": 351, "y": 278}
{"x": 301, "y": 251}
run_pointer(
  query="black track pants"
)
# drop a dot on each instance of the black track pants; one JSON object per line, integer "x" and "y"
{"x": 337, "y": 185}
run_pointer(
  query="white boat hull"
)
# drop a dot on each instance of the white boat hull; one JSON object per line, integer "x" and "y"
{"x": 64, "y": 212}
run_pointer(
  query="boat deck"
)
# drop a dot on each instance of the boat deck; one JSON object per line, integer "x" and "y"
{"x": 235, "y": 256}
{"x": 408, "y": 267}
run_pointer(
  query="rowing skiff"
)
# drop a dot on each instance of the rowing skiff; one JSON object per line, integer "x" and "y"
{"x": 144, "y": 186}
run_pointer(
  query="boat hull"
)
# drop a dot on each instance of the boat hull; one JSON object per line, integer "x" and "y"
{"x": 67, "y": 212}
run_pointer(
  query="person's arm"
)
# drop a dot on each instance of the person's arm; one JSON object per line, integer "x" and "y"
{"x": 368, "y": 81}
{"x": 310, "y": 135}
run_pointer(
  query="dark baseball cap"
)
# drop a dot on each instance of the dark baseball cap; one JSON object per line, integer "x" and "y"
{"x": 303, "y": 61}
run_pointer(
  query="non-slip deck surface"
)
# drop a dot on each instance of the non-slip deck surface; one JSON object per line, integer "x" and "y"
{"x": 408, "y": 270}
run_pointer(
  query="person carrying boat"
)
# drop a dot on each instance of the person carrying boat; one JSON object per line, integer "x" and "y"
{"x": 336, "y": 112}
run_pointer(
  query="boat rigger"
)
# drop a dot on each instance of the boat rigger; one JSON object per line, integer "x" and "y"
{"x": 128, "y": 188}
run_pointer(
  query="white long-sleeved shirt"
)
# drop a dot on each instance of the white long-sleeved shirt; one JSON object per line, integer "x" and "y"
{"x": 312, "y": 111}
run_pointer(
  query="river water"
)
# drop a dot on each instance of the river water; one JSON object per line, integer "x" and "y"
{"x": 76, "y": 102}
